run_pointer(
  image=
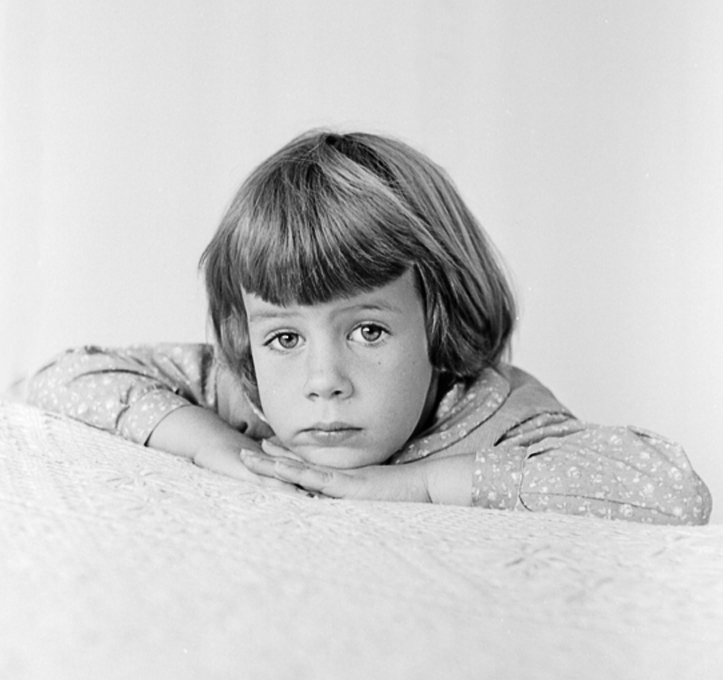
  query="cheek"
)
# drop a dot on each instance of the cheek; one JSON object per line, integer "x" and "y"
{"x": 405, "y": 391}
{"x": 417, "y": 367}
{"x": 272, "y": 386}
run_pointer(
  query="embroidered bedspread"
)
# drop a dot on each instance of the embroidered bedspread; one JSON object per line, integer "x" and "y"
{"x": 121, "y": 562}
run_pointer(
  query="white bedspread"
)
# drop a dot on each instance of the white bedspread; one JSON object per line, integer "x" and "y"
{"x": 120, "y": 562}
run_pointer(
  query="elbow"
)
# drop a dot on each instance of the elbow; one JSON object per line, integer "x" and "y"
{"x": 695, "y": 502}
{"x": 686, "y": 502}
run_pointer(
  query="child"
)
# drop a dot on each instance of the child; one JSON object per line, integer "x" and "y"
{"x": 360, "y": 320}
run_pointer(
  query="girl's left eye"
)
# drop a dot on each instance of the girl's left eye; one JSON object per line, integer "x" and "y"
{"x": 368, "y": 333}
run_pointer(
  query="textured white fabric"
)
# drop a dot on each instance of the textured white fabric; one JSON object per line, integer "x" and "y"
{"x": 117, "y": 561}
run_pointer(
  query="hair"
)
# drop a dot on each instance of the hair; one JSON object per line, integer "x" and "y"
{"x": 333, "y": 215}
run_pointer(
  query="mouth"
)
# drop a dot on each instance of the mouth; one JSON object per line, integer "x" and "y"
{"x": 326, "y": 434}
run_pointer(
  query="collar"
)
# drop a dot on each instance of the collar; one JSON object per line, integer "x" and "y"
{"x": 461, "y": 410}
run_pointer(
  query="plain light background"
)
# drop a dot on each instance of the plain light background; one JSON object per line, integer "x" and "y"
{"x": 586, "y": 136}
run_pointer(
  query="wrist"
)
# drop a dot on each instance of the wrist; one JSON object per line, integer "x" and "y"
{"x": 449, "y": 479}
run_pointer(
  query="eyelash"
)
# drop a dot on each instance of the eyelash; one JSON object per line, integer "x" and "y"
{"x": 273, "y": 341}
{"x": 382, "y": 332}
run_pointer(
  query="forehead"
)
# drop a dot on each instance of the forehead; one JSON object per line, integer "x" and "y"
{"x": 399, "y": 298}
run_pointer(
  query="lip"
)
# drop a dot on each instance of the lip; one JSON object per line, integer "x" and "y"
{"x": 326, "y": 434}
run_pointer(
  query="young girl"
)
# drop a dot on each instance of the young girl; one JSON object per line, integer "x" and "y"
{"x": 360, "y": 320}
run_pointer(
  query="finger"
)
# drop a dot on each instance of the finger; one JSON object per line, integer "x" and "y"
{"x": 258, "y": 463}
{"x": 230, "y": 468}
{"x": 242, "y": 473}
{"x": 317, "y": 480}
{"x": 278, "y": 451}
{"x": 268, "y": 467}
{"x": 281, "y": 487}
{"x": 295, "y": 472}
{"x": 268, "y": 481}
{"x": 266, "y": 471}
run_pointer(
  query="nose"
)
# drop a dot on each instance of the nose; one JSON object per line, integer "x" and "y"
{"x": 327, "y": 377}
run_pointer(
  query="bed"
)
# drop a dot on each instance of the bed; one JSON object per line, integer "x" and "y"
{"x": 121, "y": 562}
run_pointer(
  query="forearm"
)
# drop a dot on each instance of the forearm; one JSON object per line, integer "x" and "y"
{"x": 192, "y": 430}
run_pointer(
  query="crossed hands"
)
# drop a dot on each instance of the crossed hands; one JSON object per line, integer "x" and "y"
{"x": 429, "y": 480}
{"x": 211, "y": 443}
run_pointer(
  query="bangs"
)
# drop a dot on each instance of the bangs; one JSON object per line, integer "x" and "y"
{"x": 311, "y": 232}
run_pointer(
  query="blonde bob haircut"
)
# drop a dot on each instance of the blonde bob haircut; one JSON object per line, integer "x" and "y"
{"x": 332, "y": 215}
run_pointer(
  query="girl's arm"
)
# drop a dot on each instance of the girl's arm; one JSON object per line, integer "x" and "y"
{"x": 162, "y": 396}
{"x": 124, "y": 391}
{"x": 562, "y": 465}
{"x": 548, "y": 464}
{"x": 199, "y": 434}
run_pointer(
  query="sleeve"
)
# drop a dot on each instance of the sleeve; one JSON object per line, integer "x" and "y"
{"x": 559, "y": 464}
{"x": 124, "y": 391}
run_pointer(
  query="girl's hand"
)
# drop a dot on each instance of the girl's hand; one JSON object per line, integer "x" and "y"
{"x": 369, "y": 483}
{"x": 211, "y": 443}
{"x": 224, "y": 460}
{"x": 446, "y": 480}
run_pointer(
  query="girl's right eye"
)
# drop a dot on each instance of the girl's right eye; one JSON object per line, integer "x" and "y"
{"x": 283, "y": 341}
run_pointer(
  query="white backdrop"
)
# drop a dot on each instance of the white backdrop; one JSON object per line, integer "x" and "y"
{"x": 585, "y": 135}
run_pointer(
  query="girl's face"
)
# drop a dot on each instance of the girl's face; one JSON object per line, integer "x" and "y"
{"x": 344, "y": 383}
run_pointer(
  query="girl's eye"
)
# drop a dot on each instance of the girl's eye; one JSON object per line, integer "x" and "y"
{"x": 368, "y": 333}
{"x": 284, "y": 341}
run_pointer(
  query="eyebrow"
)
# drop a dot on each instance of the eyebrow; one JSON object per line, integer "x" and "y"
{"x": 270, "y": 314}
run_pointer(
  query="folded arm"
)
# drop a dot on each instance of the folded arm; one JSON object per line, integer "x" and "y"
{"x": 163, "y": 396}
{"x": 123, "y": 391}
{"x": 552, "y": 463}
{"x": 582, "y": 469}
